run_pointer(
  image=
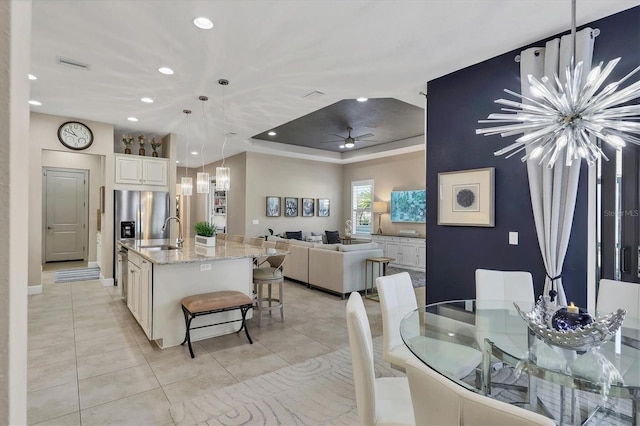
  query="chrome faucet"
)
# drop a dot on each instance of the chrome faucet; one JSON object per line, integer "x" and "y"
{"x": 179, "y": 240}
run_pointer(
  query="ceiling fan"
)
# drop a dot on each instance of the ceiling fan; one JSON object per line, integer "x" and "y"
{"x": 349, "y": 141}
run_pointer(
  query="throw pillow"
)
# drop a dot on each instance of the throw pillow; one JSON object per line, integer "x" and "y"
{"x": 295, "y": 235}
{"x": 333, "y": 237}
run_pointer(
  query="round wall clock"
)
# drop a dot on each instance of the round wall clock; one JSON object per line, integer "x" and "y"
{"x": 75, "y": 135}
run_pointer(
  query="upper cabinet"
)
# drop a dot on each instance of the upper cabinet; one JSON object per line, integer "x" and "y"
{"x": 138, "y": 170}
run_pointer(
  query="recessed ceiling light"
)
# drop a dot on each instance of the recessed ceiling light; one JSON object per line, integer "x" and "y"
{"x": 341, "y": 146}
{"x": 202, "y": 22}
{"x": 32, "y": 77}
{"x": 194, "y": 152}
{"x": 165, "y": 70}
{"x": 132, "y": 119}
{"x": 147, "y": 100}
{"x": 271, "y": 133}
{"x": 34, "y": 102}
{"x": 362, "y": 99}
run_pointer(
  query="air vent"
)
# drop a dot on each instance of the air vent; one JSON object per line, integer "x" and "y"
{"x": 72, "y": 63}
{"x": 313, "y": 94}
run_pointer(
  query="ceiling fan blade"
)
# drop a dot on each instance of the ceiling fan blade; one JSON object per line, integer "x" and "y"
{"x": 366, "y": 135}
{"x": 341, "y": 141}
{"x": 339, "y": 136}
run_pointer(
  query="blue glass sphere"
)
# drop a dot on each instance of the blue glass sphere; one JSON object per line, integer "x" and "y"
{"x": 563, "y": 320}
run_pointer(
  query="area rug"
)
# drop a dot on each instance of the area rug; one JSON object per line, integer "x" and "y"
{"x": 318, "y": 391}
{"x": 417, "y": 277}
{"x": 79, "y": 274}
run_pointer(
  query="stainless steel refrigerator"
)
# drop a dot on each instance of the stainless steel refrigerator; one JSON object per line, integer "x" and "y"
{"x": 139, "y": 215}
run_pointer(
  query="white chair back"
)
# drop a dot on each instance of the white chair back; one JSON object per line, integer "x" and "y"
{"x": 361, "y": 346}
{"x": 397, "y": 299}
{"x": 438, "y": 401}
{"x": 613, "y": 295}
{"x": 504, "y": 285}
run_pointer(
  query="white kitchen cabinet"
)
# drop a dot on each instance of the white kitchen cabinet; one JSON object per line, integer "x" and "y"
{"x": 99, "y": 249}
{"x": 139, "y": 290}
{"x": 137, "y": 170}
{"x": 408, "y": 252}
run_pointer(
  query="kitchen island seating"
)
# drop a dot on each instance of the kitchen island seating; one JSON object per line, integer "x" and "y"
{"x": 380, "y": 401}
{"x": 213, "y": 303}
{"x": 269, "y": 276}
{"x": 439, "y": 401}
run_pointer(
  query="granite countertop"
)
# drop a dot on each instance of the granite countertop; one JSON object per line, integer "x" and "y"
{"x": 190, "y": 253}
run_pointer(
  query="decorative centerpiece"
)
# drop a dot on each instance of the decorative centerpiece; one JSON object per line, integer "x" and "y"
{"x": 570, "y": 318}
{"x": 584, "y": 336}
{"x": 205, "y": 234}
{"x": 141, "y": 151}
{"x": 155, "y": 146}
{"x": 347, "y": 228}
{"x": 127, "y": 141}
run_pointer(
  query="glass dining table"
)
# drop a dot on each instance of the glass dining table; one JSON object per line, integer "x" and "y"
{"x": 603, "y": 383}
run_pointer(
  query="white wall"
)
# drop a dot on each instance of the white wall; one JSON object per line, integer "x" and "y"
{"x": 400, "y": 172}
{"x": 46, "y": 149}
{"x": 15, "y": 42}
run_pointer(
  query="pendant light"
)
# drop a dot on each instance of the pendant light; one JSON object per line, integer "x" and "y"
{"x": 559, "y": 120}
{"x": 202, "y": 181}
{"x": 186, "y": 182}
{"x": 223, "y": 175}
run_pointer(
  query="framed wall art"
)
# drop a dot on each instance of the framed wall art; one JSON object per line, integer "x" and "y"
{"x": 308, "y": 207}
{"x": 290, "y": 207}
{"x": 466, "y": 198}
{"x": 323, "y": 207}
{"x": 273, "y": 206}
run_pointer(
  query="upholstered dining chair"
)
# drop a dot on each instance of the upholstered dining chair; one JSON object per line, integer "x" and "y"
{"x": 256, "y": 242}
{"x": 504, "y": 285}
{"x": 613, "y": 295}
{"x": 397, "y": 299}
{"x": 438, "y": 401}
{"x": 269, "y": 276}
{"x": 380, "y": 401}
{"x": 238, "y": 238}
{"x": 282, "y": 245}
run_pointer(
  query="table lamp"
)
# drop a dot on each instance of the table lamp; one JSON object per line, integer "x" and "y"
{"x": 380, "y": 207}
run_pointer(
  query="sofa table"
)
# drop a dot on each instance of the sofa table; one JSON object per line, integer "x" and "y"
{"x": 370, "y": 292}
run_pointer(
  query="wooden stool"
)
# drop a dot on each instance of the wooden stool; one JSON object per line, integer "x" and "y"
{"x": 212, "y": 303}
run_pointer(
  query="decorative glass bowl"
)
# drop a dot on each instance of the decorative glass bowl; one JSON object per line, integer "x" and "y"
{"x": 583, "y": 338}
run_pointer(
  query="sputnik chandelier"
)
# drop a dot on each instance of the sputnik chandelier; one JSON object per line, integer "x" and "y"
{"x": 559, "y": 120}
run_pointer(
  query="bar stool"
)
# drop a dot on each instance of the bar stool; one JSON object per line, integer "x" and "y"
{"x": 256, "y": 242}
{"x": 238, "y": 238}
{"x": 268, "y": 276}
{"x": 221, "y": 237}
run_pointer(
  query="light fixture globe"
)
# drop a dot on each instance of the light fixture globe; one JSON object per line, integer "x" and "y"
{"x": 223, "y": 178}
{"x": 559, "y": 120}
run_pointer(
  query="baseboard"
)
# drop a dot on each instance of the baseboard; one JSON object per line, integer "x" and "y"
{"x": 93, "y": 265}
{"x": 106, "y": 282}
{"x": 34, "y": 289}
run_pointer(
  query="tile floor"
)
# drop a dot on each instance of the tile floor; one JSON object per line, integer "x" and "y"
{"x": 89, "y": 363}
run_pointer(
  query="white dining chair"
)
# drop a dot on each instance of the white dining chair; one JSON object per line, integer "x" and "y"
{"x": 397, "y": 299}
{"x": 438, "y": 401}
{"x": 504, "y": 285}
{"x": 380, "y": 401}
{"x": 613, "y": 295}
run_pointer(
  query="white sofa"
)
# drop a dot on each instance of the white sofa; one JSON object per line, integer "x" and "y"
{"x": 340, "y": 270}
{"x": 337, "y": 268}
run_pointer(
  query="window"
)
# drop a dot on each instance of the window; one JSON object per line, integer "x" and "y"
{"x": 362, "y": 206}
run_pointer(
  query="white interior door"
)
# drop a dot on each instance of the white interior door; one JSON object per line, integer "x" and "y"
{"x": 66, "y": 207}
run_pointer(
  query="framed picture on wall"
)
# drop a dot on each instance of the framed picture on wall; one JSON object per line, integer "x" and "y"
{"x": 290, "y": 207}
{"x": 466, "y": 198}
{"x": 273, "y": 206}
{"x": 323, "y": 207}
{"x": 308, "y": 207}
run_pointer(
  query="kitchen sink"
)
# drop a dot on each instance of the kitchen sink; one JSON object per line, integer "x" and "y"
{"x": 159, "y": 247}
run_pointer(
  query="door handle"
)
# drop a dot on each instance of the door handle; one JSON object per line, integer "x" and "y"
{"x": 49, "y": 227}
{"x": 623, "y": 260}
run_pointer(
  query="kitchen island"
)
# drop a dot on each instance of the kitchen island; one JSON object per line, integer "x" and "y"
{"x": 159, "y": 276}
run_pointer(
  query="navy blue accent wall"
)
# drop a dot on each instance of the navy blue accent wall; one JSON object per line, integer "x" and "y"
{"x": 455, "y": 103}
